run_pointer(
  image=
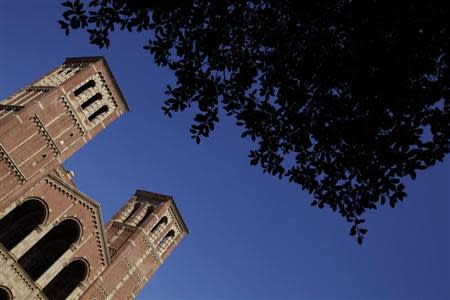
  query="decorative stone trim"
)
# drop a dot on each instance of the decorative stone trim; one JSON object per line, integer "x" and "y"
{"x": 35, "y": 88}
{"x": 76, "y": 65}
{"x": 133, "y": 270}
{"x": 102, "y": 290}
{"x": 10, "y": 107}
{"x": 13, "y": 168}
{"x": 18, "y": 272}
{"x": 81, "y": 199}
{"x": 104, "y": 85}
{"x": 173, "y": 217}
{"x": 149, "y": 245}
{"x": 43, "y": 131}
{"x": 123, "y": 226}
{"x": 70, "y": 111}
{"x": 137, "y": 275}
{"x": 127, "y": 262}
{"x": 155, "y": 256}
{"x": 21, "y": 275}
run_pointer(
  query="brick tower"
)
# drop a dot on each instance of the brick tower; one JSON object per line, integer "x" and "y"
{"x": 53, "y": 244}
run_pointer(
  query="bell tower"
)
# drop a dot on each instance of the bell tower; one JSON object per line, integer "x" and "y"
{"x": 139, "y": 237}
{"x": 47, "y": 121}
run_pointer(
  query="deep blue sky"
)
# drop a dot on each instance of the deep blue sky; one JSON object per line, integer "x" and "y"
{"x": 252, "y": 236}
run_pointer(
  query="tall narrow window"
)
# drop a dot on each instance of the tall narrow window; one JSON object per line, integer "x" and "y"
{"x": 167, "y": 239}
{"x": 91, "y": 100}
{"x": 89, "y": 84}
{"x": 100, "y": 111}
{"x": 148, "y": 212}
{"x": 48, "y": 249}
{"x": 20, "y": 222}
{"x": 135, "y": 208}
{"x": 66, "y": 280}
{"x": 160, "y": 225}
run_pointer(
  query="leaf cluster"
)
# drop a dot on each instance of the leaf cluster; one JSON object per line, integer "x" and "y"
{"x": 344, "y": 98}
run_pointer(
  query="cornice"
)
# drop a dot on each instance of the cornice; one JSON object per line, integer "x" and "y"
{"x": 43, "y": 131}
{"x": 71, "y": 111}
{"x": 12, "y": 166}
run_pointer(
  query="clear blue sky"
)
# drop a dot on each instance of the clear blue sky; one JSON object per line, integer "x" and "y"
{"x": 252, "y": 236}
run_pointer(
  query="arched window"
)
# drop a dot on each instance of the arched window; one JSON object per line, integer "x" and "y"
{"x": 101, "y": 110}
{"x": 66, "y": 280}
{"x": 148, "y": 212}
{"x": 135, "y": 208}
{"x": 167, "y": 239}
{"x": 89, "y": 84}
{"x": 20, "y": 222}
{"x": 159, "y": 226}
{"x": 48, "y": 249}
{"x": 5, "y": 293}
{"x": 91, "y": 100}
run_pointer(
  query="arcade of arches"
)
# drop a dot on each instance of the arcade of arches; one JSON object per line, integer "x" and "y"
{"x": 21, "y": 222}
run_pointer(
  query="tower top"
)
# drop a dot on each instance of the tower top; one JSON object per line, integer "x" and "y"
{"x": 155, "y": 197}
{"x": 101, "y": 60}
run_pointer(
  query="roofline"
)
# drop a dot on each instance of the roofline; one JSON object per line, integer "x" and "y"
{"x": 88, "y": 59}
{"x": 165, "y": 198}
{"x": 97, "y": 208}
{"x": 179, "y": 215}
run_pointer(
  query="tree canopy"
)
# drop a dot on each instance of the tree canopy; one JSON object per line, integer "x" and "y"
{"x": 344, "y": 98}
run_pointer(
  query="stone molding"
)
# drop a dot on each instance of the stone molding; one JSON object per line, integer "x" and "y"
{"x": 71, "y": 112}
{"x": 12, "y": 166}
{"x": 10, "y": 107}
{"x": 102, "y": 290}
{"x": 149, "y": 246}
{"x": 174, "y": 218}
{"x": 43, "y": 131}
{"x": 123, "y": 226}
{"x": 36, "y": 88}
{"x": 8, "y": 262}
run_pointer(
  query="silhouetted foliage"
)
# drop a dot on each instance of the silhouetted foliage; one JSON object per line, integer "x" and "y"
{"x": 344, "y": 98}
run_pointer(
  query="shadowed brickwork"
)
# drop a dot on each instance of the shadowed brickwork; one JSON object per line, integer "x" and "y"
{"x": 53, "y": 244}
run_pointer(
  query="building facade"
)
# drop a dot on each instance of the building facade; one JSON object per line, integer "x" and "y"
{"x": 53, "y": 244}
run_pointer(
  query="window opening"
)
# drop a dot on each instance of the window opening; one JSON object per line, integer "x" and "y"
{"x": 48, "y": 249}
{"x": 66, "y": 280}
{"x": 100, "y": 111}
{"x": 89, "y": 84}
{"x": 148, "y": 212}
{"x": 160, "y": 224}
{"x": 20, "y": 222}
{"x": 91, "y": 100}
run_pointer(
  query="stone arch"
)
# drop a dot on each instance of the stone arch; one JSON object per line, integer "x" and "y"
{"x": 21, "y": 221}
{"x": 85, "y": 86}
{"x": 102, "y": 110}
{"x": 150, "y": 209}
{"x": 67, "y": 280}
{"x": 167, "y": 239}
{"x": 5, "y": 293}
{"x": 160, "y": 225}
{"x": 94, "y": 98}
{"x": 52, "y": 246}
{"x": 136, "y": 206}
